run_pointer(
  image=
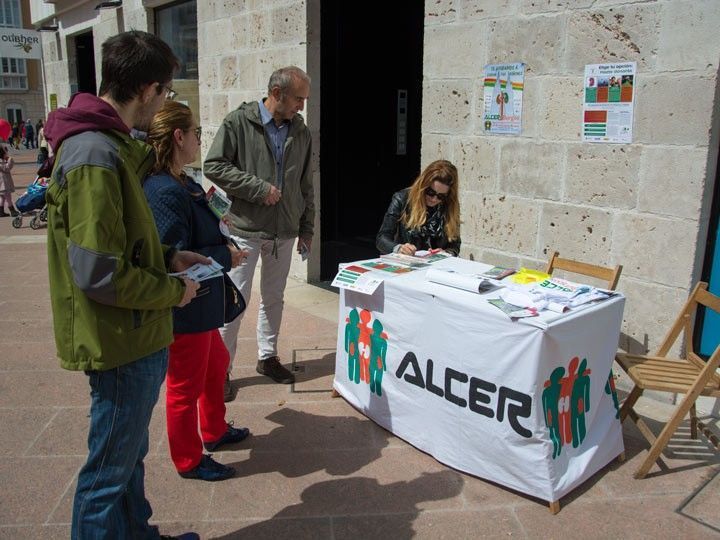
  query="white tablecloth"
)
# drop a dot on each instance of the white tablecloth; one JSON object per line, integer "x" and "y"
{"x": 526, "y": 403}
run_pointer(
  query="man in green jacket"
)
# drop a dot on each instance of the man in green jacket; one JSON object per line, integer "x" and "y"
{"x": 261, "y": 157}
{"x": 110, "y": 290}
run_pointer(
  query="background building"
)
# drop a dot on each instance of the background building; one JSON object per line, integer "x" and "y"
{"x": 21, "y": 85}
{"x": 398, "y": 84}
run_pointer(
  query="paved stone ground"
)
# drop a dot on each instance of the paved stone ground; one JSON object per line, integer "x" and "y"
{"x": 314, "y": 467}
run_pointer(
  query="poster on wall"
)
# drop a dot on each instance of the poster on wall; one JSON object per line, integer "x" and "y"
{"x": 503, "y": 86}
{"x": 608, "y": 102}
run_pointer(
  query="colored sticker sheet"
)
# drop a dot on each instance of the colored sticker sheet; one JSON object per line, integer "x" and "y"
{"x": 357, "y": 278}
{"x": 608, "y": 102}
{"x": 503, "y": 86}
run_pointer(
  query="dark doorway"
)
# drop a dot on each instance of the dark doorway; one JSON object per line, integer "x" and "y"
{"x": 371, "y": 92}
{"x": 85, "y": 63}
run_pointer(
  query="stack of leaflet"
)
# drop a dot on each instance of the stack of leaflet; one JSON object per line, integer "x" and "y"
{"x": 466, "y": 282}
{"x": 201, "y": 272}
{"x": 553, "y": 294}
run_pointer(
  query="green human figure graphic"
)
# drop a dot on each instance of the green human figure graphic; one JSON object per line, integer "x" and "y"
{"x": 610, "y": 390}
{"x": 378, "y": 350}
{"x": 580, "y": 403}
{"x": 352, "y": 346}
{"x": 550, "y": 398}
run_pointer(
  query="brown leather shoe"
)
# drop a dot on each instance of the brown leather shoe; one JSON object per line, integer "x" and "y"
{"x": 275, "y": 370}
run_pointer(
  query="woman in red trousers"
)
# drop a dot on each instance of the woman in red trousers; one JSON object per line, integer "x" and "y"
{"x": 198, "y": 358}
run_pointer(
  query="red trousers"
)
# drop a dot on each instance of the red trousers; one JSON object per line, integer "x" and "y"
{"x": 196, "y": 373}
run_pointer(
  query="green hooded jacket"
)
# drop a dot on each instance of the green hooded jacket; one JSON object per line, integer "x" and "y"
{"x": 110, "y": 291}
{"x": 241, "y": 162}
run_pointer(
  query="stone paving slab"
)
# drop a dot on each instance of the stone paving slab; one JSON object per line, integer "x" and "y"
{"x": 314, "y": 467}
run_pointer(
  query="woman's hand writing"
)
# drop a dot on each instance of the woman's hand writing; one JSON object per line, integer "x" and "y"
{"x": 236, "y": 255}
{"x": 407, "y": 249}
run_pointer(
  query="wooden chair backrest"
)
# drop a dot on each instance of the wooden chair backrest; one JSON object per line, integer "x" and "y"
{"x": 611, "y": 275}
{"x": 684, "y": 325}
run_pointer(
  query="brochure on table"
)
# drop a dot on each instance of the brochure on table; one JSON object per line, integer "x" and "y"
{"x": 366, "y": 276}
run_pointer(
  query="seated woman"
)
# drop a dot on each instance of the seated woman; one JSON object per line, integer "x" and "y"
{"x": 198, "y": 358}
{"x": 424, "y": 216}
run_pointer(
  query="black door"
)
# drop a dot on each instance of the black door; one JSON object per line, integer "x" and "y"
{"x": 371, "y": 66}
{"x": 85, "y": 63}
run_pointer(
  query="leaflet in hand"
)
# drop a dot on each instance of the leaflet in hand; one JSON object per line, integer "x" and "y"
{"x": 218, "y": 202}
{"x": 201, "y": 272}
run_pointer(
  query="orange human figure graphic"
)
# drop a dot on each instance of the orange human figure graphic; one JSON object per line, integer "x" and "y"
{"x": 364, "y": 345}
{"x": 566, "y": 387}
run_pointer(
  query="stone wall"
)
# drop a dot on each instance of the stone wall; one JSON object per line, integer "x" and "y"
{"x": 241, "y": 42}
{"x": 59, "y": 48}
{"x": 644, "y": 205}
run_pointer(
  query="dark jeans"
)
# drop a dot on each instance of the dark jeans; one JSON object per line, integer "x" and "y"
{"x": 110, "y": 497}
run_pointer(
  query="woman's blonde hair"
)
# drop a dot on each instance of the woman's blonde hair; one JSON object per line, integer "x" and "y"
{"x": 416, "y": 212}
{"x": 172, "y": 116}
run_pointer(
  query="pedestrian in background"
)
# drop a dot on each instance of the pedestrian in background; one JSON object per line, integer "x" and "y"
{"x": 7, "y": 186}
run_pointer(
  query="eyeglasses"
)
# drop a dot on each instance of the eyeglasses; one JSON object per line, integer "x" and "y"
{"x": 198, "y": 132}
{"x": 430, "y": 192}
{"x": 169, "y": 92}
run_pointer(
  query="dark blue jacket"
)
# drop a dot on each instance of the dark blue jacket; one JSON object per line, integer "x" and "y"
{"x": 185, "y": 221}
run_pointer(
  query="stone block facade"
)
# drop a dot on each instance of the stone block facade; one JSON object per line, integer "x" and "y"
{"x": 643, "y": 205}
{"x": 240, "y": 44}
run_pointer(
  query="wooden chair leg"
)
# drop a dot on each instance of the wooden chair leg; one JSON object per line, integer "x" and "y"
{"x": 693, "y": 422}
{"x": 630, "y": 402}
{"x": 554, "y": 507}
{"x": 668, "y": 430}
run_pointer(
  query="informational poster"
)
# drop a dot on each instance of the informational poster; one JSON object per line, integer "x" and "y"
{"x": 608, "y": 102}
{"x": 503, "y": 95}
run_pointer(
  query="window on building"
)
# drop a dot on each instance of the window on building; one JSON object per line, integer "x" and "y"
{"x": 176, "y": 25}
{"x": 10, "y": 16}
{"x": 14, "y": 112}
{"x": 13, "y": 75}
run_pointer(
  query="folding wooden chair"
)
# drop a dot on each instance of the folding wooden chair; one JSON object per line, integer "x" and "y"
{"x": 690, "y": 376}
{"x": 611, "y": 275}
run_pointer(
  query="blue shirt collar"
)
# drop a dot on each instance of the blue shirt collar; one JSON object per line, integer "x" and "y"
{"x": 267, "y": 118}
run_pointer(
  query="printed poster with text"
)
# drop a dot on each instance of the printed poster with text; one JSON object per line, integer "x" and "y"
{"x": 503, "y": 95}
{"x": 608, "y": 103}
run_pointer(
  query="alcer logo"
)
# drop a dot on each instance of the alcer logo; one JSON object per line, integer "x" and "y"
{"x": 565, "y": 400}
{"x": 366, "y": 347}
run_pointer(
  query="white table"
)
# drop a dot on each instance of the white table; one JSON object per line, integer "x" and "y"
{"x": 472, "y": 388}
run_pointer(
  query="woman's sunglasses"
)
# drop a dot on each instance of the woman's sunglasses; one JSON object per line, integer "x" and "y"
{"x": 430, "y": 192}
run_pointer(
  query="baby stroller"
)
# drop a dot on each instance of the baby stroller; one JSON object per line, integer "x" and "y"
{"x": 33, "y": 204}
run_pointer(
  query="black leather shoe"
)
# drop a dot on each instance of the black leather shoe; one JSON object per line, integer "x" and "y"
{"x": 275, "y": 370}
